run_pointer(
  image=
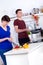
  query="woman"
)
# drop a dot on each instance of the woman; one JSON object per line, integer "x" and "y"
{"x": 5, "y": 37}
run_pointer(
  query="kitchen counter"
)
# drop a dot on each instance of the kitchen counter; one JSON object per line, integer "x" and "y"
{"x": 21, "y": 56}
{"x": 33, "y": 46}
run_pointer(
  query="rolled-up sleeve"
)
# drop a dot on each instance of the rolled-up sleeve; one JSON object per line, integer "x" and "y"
{"x": 15, "y": 23}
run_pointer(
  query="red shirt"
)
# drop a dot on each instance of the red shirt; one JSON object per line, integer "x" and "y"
{"x": 21, "y": 25}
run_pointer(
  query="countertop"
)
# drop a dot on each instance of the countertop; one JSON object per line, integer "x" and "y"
{"x": 33, "y": 47}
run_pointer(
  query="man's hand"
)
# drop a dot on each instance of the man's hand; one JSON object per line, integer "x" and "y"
{"x": 27, "y": 30}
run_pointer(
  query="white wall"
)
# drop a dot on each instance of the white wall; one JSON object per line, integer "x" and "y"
{"x": 9, "y": 6}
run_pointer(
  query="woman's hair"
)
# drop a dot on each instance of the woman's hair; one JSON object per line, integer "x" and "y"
{"x": 5, "y": 18}
{"x": 18, "y": 10}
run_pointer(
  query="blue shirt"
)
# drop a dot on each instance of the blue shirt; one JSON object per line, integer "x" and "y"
{"x": 5, "y": 45}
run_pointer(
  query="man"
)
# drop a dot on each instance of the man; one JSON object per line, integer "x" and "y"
{"x": 20, "y": 28}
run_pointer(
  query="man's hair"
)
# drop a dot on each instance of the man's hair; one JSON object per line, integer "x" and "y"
{"x": 18, "y": 10}
{"x": 5, "y": 18}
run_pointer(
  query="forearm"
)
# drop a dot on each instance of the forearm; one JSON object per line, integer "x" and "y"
{"x": 21, "y": 30}
{"x": 1, "y": 40}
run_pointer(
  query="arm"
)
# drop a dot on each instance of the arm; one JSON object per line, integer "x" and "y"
{"x": 1, "y": 40}
{"x": 20, "y": 30}
{"x": 9, "y": 39}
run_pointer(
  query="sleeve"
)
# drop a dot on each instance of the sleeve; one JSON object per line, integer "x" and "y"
{"x": 0, "y": 36}
{"x": 0, "y": 33}
{"x": 15, "y": 23}
{"x": 8, "y": 28}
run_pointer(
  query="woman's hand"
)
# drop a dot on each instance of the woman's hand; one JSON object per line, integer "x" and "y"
{"x": 10, "y": 39}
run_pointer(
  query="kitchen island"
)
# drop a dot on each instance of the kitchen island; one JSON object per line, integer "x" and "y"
{"x": 22, "y": 56}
